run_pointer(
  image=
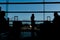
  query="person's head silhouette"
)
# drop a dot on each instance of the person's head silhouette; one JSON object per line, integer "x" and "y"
{"x": 32, "y": 17}
{"x": 32, "y": 14}
{"x": 55, "y": 14}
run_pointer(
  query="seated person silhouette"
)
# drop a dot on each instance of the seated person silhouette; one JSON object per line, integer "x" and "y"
{"x": 56, "y": 18}
{"x": 56, "y": 22}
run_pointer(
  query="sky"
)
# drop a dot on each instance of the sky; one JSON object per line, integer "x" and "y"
{"x": 30, "y": 7}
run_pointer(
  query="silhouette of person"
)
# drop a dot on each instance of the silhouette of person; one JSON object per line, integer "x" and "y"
{"x": 56, "y": 18}
{"x": 3, "y": 22}
{"x": 56, "y": 23}
{"x": 32, "y": 24}
{"x": 32, "y": 21}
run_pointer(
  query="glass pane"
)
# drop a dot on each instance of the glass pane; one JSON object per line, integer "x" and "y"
{"x": 25, "y": 16}
{"x": 52, "y": 7}
{"x": 26, "y": 7}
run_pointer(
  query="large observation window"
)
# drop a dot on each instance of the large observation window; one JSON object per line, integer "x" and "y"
{"x": 49, "y": 8}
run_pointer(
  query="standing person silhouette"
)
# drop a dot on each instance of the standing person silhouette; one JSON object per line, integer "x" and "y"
{"x": 32, "y": 24}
